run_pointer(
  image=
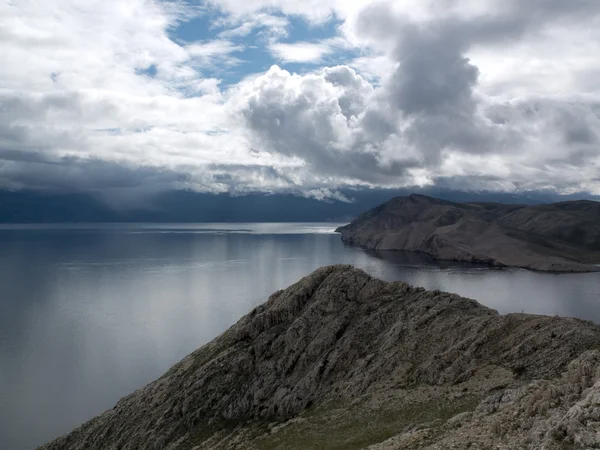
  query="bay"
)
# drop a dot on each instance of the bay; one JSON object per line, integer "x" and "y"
{"x": 89, "y": 313}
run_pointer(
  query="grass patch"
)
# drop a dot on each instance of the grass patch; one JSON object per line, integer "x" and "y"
{"x": 354, "y": 428}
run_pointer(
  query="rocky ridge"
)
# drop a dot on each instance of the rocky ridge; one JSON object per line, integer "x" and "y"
{"x": 561, "y": 237}
{"x": 343, "y": 360}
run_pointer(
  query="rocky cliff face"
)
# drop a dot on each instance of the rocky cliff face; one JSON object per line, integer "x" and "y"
{"x": 563, "y": 237}
{"x": 343, "y": 360}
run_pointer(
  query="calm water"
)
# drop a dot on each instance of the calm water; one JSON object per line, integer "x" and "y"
{"x": 89, "y": 314}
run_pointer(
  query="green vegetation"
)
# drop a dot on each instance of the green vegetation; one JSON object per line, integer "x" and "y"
{"x": 354, "y": 428}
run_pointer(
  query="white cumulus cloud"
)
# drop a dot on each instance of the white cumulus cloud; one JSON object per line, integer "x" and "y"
{"x": 472, "y": 94}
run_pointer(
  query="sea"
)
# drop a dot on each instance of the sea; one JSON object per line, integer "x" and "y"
{"x": 89, "y": 313}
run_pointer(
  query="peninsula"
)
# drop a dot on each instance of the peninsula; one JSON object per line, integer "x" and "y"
{"x": 559, "y": 237}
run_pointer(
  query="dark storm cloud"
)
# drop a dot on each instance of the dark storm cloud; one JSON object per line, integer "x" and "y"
{"x": 7, "y": 154}
{"x": 70, "y": 173}
{"x": 33, "y": 133}
{"x": 234, "y": 175}
{"x": 542, "y": 11}
{"x": 579, "y": 125}
{"x": 433, "y": 75}
{"x": 580, "y": 134}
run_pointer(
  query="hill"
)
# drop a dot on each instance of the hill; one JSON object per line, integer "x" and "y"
{"x": 559, "y": 237}
{"x": 341, "y": 360}
{"x": 185, "y": 206}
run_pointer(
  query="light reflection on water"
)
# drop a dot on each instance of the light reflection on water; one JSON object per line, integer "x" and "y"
{"x": 90, "y": 313}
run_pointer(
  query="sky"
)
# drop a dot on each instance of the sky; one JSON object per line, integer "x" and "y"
{"x": 308, "y": 97}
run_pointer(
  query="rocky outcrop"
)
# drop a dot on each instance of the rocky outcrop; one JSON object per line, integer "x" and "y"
{"x": 544, "y": 414}
{"x": 563, "y": 237}
{"x": 344, "y": 360}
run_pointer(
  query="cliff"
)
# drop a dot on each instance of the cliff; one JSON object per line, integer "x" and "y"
{"x": 561, "y": 237}
{"x": 341, "y": 360}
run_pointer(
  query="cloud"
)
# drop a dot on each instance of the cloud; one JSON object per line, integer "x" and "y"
{"x": 308, "y": 52}
{"x": 316, "y": 11}
{"x": 375, "y": 68}
{"x": 472, "y": 94}
{"x": 300, "y": 52}
{"x": 269, "y": 25}
{"x": 443, "y": 113}
{"x": 210, "y": 53}
{"x": 427, "y": 120}
{"x": 319, "y": 118}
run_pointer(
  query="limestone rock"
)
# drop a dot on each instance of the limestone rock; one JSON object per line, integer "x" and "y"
{"x": 344, "y": 360}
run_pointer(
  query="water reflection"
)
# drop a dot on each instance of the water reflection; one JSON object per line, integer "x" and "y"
{"x": 506, "y": 290}
{"x": 88, "y": 314}
{"x": 418, "y": 260}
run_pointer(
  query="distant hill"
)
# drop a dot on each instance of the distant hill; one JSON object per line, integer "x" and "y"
{"x": 558, "y": 237}
{"x": 187, "y": 206}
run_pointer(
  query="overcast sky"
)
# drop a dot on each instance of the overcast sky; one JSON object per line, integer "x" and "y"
{"x": 306, "y": 96}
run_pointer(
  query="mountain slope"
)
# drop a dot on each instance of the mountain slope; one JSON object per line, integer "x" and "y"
{"x": 343, "y": 360}
{"x": 561, "y": 237}
{"x": 577, "y": 223}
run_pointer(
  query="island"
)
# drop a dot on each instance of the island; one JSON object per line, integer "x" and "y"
{"x": 558, "y": 237}
{"x": 342, "y": 360}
